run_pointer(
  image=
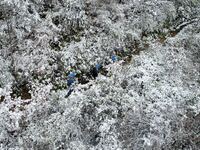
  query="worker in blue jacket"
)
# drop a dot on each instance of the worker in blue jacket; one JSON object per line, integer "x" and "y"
{"x": 70, "y": 81}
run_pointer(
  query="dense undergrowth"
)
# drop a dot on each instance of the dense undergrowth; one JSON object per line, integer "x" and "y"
{"x": 135, "y": 67}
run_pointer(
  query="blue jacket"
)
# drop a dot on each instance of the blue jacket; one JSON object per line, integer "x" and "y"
{"x": 71, "y": 78}
{"x": 114, "y": 58}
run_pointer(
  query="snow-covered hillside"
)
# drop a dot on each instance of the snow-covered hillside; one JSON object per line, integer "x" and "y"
{"x": 99, "y": 74}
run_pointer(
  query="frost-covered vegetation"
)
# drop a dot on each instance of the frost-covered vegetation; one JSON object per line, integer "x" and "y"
{"x": 99, "y": 74}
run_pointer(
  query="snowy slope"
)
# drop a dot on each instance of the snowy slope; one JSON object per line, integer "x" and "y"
{"x": 99, "y": 74}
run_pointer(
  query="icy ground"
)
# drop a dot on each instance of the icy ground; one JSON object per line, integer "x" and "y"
{"x": 148, "y": 98}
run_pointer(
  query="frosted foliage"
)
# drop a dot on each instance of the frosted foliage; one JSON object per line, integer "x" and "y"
{"x": 5, "y": 76}
{"x": 99, "y": 74}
